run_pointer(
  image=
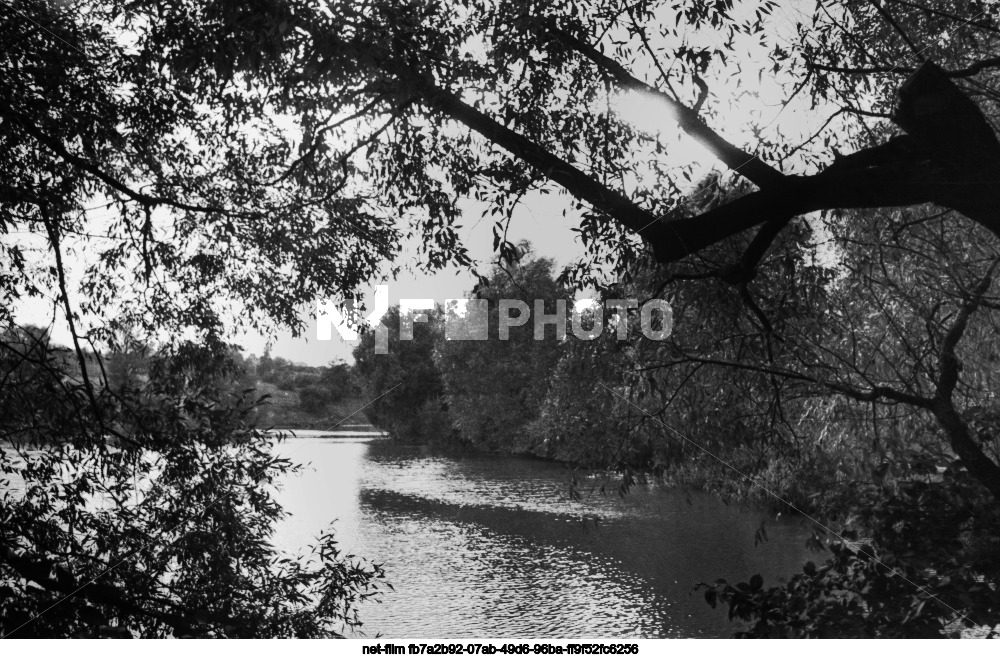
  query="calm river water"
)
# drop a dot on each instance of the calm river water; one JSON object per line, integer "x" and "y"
{"x": 485, "y": 547}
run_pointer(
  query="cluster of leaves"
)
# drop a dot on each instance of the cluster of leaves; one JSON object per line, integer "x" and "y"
{"x": 927, "y": 567}
{"x": 583, "y": 417}
{"x": 148, "y": 510}
{"x": 306, "y": 140}
{"x": 191, "y": 184}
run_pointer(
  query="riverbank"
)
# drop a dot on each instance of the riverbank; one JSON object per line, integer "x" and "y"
{"x": 695, "y": 475}
{"x": 284, "y": 408}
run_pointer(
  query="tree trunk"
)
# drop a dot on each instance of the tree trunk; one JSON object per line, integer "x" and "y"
{"x": 979, "y": 465}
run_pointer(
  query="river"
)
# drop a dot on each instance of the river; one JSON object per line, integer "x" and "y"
{"x": 481, "y": 546}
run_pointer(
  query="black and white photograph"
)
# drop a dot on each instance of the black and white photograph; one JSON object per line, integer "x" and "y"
{"x": 499, "y": 327}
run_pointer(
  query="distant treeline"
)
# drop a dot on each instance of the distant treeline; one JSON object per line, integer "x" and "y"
{"x": 512, "y": 395}
{"x": 305, "y": 397}
{"x": 290, "y": 395}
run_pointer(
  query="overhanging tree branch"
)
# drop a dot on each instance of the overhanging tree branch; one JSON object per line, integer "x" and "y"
{"x": 951, "y": 157}
{"x": 630, "y": 215}
{"x": 862, "y": 188}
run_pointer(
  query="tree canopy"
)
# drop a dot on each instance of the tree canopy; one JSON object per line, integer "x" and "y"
{"x": 289, "y": 134}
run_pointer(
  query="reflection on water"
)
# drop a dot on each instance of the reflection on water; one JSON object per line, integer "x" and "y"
{"x": 484, "y": 546}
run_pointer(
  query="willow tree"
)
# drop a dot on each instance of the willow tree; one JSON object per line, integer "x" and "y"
{"x": 271, "y": 152}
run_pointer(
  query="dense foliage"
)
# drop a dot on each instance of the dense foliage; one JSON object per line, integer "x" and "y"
{"x": 494, "y": 387}
{"x": 403, "y": 388}
{"x": 926, "y": 567}
{"x": 148, "y": 510}
{"x": 434, "y": 388}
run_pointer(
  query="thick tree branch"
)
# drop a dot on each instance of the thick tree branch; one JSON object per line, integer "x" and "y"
{"x": 883, "y": 176}
{"x": 861, "y": 188}
{"x": 950, "y": 157}
{"x": 975, "y": 460}
{"x": 948, "y": 124}
{"x": 614, "y": 203}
